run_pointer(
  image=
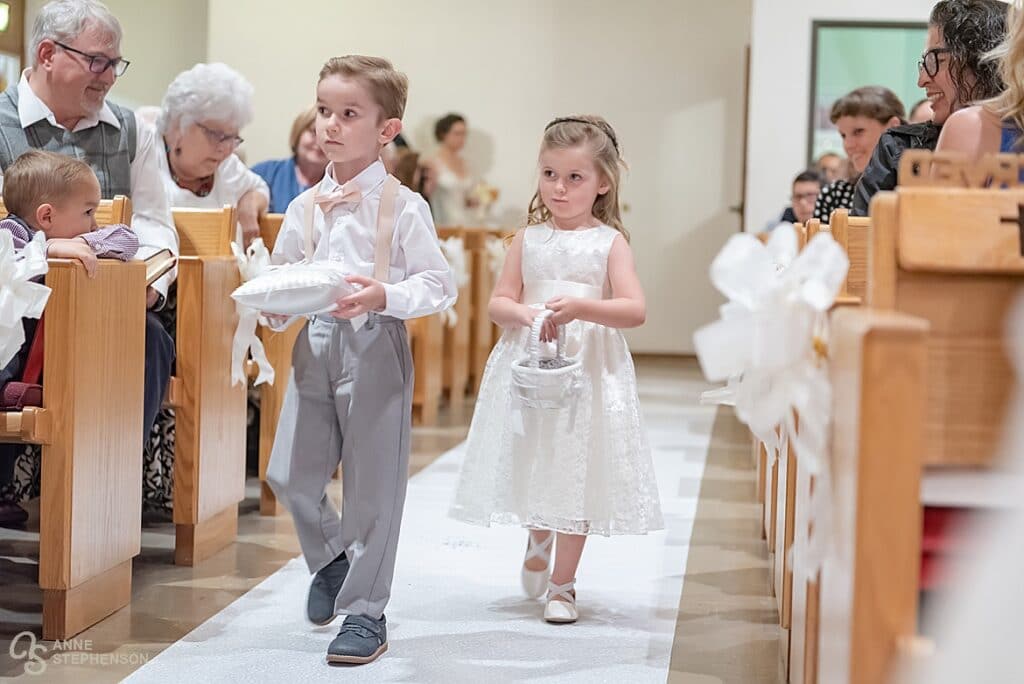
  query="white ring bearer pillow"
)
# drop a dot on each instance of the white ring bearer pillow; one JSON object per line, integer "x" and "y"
{"x": 300, "y": 289}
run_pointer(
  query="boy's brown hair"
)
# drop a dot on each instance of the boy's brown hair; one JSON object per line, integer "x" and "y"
{"x": 388, "y": 88}
{"x": 873, "y": 102}
{"x": 39, "y": 177}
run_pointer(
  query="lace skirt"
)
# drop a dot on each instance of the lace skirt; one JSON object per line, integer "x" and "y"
{"x": 588, "y": 471}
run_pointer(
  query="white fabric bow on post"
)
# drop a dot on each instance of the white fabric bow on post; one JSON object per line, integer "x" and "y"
{"x": 251, "y": 263}
{"x": 19, "y": 296}
{"x": 770, "y": 338}
{"x": 495, "y": 248}
{"x": 455, "y": 252}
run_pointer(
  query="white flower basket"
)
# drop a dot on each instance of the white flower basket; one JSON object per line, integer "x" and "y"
{"x": 550, "y": 384}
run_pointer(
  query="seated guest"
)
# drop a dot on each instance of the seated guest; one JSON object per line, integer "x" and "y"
{"x": 996, "y": 125}
{"x": 202, "y": 112}
{"x": 402, "y": 162}
{"x": 831, "y": 167}
{"x": 806, "y": 187}
{"x": 60, "y": 104}
{"x": 861, "y": 116}
{"x": 954, "y": 73}
{"x": 921, "y": 112}
{"x": 57, "y": 195}
{"x": 451, "y": 180}
{"x": 288, "y": 178}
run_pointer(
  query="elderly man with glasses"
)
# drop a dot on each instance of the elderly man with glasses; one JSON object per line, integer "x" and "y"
{"x": 60, "y": 104}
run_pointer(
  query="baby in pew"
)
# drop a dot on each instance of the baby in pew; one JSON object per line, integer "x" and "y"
{"x": 57, "y": 195}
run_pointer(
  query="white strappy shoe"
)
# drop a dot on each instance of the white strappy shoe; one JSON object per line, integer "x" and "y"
{"x": 536, "y": 581}
{"x": 557, "y": 610}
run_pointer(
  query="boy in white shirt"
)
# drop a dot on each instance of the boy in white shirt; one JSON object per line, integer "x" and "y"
{"x": 349, "y": 398}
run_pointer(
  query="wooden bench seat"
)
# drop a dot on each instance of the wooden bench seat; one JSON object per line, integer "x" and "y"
{"x": 91, "y": 436}
{"x": 210, "y": 418}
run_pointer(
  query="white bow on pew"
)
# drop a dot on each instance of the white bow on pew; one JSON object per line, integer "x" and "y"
{"x": 769, "y": 342}
{"x": 251, "y": 263}
{"x": 495, "y": 255}
{"x": 455, "y": 252}
{"x": 19, "y": 296}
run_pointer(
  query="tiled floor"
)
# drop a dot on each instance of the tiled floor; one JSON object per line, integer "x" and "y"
{"x": 725, "y": 629}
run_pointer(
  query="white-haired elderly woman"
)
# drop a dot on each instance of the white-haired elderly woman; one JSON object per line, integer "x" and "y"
{"x": 203, "y": 111}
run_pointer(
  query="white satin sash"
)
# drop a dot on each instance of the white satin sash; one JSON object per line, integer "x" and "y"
{"x": 542, "y": 291}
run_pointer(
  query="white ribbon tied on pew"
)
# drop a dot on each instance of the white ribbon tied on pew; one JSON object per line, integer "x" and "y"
{"x": 19, "y": 296}
{"x": 769, "y": 341}
{"x": 455, "y": 252}
{"x": 252, "y": 262}
{"x": 496, "y": 249}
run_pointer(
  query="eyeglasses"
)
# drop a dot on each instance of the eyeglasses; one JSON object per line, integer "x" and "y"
{"x": 217, "y": 138}
{"x": 805, "y": 196}
{"x": 98, "y": 63}
{"x": 930, "y": 61}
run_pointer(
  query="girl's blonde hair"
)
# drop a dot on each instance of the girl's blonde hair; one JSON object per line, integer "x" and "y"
{"x": 598, "y": 135}
{"x": 1009, "y": 104}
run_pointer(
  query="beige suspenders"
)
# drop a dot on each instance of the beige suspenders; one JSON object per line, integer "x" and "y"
{"x": 385, "y": 228}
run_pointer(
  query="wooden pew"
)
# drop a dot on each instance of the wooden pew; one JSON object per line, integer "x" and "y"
{"x": 952, "y": 257}
{"x": 426, "y": 339}
{"x": 455, "y": 379}
{"x": 867, "y": 603}
{"x": 278, "y": 346}
{"x": 209, "y": 459}
{"x": 91, "y": 436}
{"x": 851, "y": 232}
{"x": 481, "y": 338}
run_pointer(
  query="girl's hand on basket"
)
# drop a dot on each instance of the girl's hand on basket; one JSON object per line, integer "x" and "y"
{"x": 566, "y": 309}
{"x": 527, "y": 314}
{"x": 548, "y": 331}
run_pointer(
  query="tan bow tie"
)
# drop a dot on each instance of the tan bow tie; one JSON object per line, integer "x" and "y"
{"x": 348, "y": 193}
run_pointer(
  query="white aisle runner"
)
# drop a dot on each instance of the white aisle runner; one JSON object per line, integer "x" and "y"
{"x": 457, "y": 613}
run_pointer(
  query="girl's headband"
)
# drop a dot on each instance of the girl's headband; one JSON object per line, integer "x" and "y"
{"x": 570, "y": 119}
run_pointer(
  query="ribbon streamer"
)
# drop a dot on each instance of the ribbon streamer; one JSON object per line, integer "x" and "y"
{"x": 766, "y": 345}
{"x": 454, "y": 249}
{"x": 495, "y": 249}
{"x": 251, "y": 263}
{"x": 19, "y": 296}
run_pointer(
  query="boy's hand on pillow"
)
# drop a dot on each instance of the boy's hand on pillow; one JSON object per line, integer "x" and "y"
{"x": 371, "y": 298}
{"x": 74, "y": 248}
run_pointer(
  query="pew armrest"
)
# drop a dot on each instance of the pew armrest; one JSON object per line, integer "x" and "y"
{"x": 29, "y": 426}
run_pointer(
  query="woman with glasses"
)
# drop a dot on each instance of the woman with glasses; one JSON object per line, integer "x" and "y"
{"x": 997, "y": 124}
{"x": 954, "y": 74}
{"x": 203, "y": 110}
{"x": 288, "y": 178}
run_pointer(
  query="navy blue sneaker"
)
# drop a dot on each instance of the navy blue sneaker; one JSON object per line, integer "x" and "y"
{"x": 360, "y": 640}
{"x": 323, "y": 592}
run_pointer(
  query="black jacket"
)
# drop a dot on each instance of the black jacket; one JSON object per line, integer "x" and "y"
{"x": 883, "y": 169}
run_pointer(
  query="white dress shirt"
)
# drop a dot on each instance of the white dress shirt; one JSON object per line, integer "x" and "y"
{"x": 151, "y": 213}
{"x": 231, "y": 180}
{"x": 420, "y": 282}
